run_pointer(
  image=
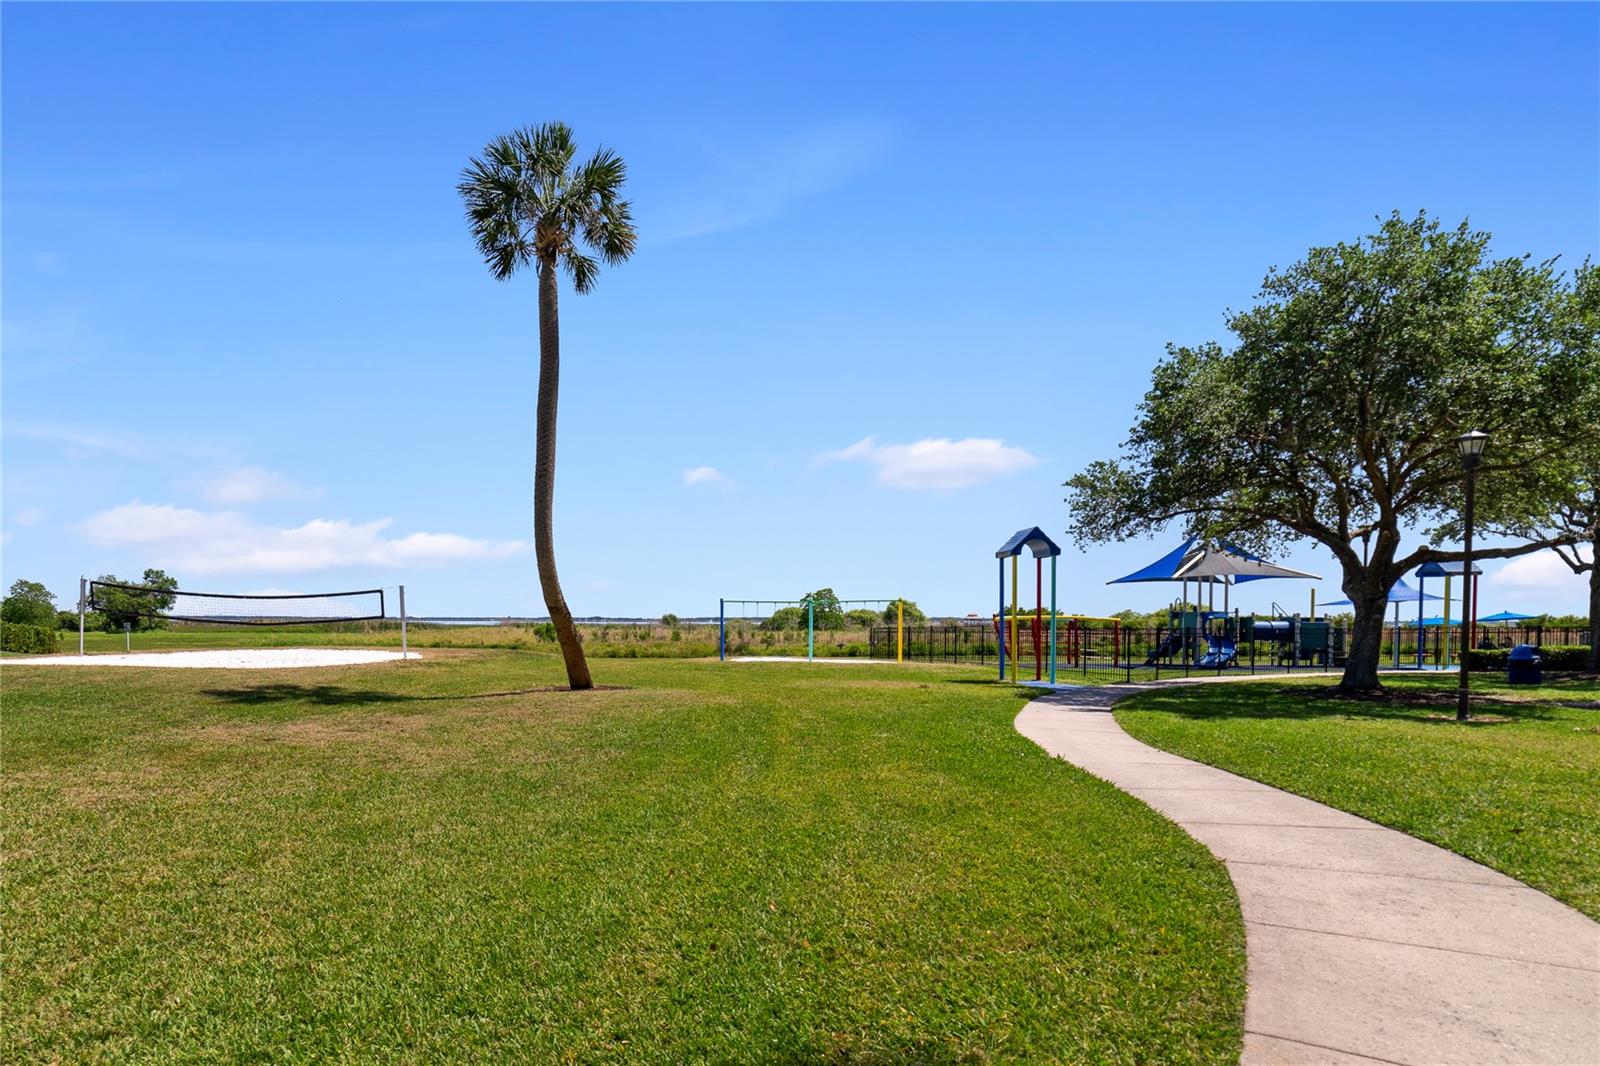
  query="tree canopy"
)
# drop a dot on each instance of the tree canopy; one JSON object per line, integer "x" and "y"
{"x": 826, "y": 610}
{"x": 28, "y": 604}
{"x": 913, "y": 613}
{"x": 1333, "y": 415}
{"x": 138, "y": 606}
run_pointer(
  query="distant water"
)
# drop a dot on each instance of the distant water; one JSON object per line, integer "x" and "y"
{"x": 494, "y": 620}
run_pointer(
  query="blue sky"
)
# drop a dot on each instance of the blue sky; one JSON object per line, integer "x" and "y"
{"x": 246, "y": 336}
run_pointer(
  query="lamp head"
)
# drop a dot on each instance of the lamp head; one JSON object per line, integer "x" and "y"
{"x": 1471, "y": 445}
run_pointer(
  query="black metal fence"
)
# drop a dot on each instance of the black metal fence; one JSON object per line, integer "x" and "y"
{"x": 1402, "y": 643}
{"x": 936, "y": 642}
{"x": 1103, "y": 652}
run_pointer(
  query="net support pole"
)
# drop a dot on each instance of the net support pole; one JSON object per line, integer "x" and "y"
{"x": 403, "y": 650}
{"x": 810, "y": 631}
{"x": 900, "y": 630}
{"x": 83, "y": 596}
{"x": 722, "y": 629}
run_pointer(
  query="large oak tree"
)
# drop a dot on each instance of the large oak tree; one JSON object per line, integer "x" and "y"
{"x": 1332, "y": 416}
{"x": 1560, "y": 498}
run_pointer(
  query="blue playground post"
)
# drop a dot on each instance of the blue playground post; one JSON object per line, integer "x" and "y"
{"x": 1000, "y": 630}
{"x": 722, "y": 629}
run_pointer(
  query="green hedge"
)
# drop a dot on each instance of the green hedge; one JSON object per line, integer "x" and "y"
{"x": 1552, "y": 657}
{"x": 30, "y": 640}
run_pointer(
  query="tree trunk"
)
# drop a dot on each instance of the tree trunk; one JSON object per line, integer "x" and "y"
{"x": 1594, "y": 609}
{"x": 544, "y": 480}
{"x": 1369, "y": 597}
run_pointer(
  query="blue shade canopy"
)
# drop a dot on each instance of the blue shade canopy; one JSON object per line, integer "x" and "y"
{"x": 1507, "y": 616}
{"x": 1432, "y": 620}
{"x": 1400, "y": 593}
{"x": 1227, "y": 562}
{"x": 1032, "y": 539}
{"x": 1163, "y": 569}
{"x": 1443, "y": 569}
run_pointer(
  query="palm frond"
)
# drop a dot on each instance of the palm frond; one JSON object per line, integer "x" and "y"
{"x": 524, "y": 201}
{"x": 582, "y": 269}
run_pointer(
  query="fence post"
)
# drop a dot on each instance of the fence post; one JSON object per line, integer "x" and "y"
{"x": 83, "y": 593}
{"x": 403, "y": 649}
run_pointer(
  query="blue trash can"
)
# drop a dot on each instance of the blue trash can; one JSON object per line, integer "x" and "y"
{"x": 1523, "y": 666}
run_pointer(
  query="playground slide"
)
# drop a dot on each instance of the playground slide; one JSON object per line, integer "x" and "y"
{"x": 1168, "y": 647}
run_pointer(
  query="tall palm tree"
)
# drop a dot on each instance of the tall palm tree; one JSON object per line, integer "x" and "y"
{"x": 527, "y": 203}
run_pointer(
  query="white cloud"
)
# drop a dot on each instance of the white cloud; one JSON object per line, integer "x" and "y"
{"x": 79, "y": 442}
{"x": 704, "y": 475}
{"x": 252, "y": 484}
{"x": 30, "y": 516}
{"x": 1543, "y": 571}
{"x": 760, "y": 180}
{"x": 936, "y": 462}
{"x": 216, "y": 542}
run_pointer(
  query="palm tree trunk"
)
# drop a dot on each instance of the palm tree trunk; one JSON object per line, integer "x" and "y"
{"x": 544, "y": 480}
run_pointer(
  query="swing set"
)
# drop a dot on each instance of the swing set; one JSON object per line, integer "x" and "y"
{"x": 741, "y": 609}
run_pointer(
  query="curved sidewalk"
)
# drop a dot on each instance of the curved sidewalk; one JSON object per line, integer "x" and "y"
{"x": 1362, "y": 944}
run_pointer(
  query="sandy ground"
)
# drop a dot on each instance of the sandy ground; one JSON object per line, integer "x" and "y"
{"x": 241, "y": 659}
{"x": 802, "y": 658}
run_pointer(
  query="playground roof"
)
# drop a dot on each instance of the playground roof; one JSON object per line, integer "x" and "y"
{"x": 1507, "y": 616}
{"x": 1400, "y": 593}
{"x": 1163, "y": 569}
{"x": 1188, "y": 563}
{"x": 1033, "y": 539}
{"x": 1442, "y": 569}
{"x": 1230, "y": 561}
{"x": 1432, "y": 620}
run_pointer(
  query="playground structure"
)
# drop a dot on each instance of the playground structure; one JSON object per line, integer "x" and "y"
{"x": 743, "y": 605}
{"x": 1197, "y": 635}
{"x": 1042, "y": 547}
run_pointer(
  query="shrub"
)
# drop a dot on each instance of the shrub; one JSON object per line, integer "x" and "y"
{"x": 786, "y": 618}
{"x": 544, "y": 630}
{"x": 669, "y": 619}
{"x": 1552, "y": 657}
{"x": 862, "y": 617}
{"x": 28, "y": 639}
{"x": 1565, "y": 657}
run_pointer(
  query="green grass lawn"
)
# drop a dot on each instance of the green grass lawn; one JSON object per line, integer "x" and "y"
{"x": 447, "y": 860}
{"x": 1518, "y": 789}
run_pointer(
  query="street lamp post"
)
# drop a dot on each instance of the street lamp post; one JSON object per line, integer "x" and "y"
{"x": 1470, "y": 445}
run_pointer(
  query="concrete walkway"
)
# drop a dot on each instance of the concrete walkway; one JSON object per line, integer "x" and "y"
{"x": 1363, "y": 944}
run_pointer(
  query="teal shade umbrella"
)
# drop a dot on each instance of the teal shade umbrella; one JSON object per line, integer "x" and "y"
{"x": 1399, "y": 593}
{"x": 1433, "y": 620}
{"x": 1506, "y": 616}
